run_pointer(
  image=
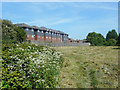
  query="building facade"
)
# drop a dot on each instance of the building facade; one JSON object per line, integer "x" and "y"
{"x": 43, "y": 34}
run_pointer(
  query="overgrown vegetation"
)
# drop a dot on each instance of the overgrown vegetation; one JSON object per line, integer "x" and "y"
{"x": 89, "y": 67}
{"x": 93, "y": 79}
{"x": 30, "y": 66}
{"x": 27, "y": 65}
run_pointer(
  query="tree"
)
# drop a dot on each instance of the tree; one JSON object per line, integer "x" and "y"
{"x": 118, "y": 40}
{"x": 8, "y": 32}
{"x": 12, "y": 33}
{"x": 111, "y": 35}
{"x": 96, "y": 39}
{"x": 21, "y": 34}
{"x": 111, "y": 42}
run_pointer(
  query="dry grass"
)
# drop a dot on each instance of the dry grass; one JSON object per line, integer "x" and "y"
{"x": 89, "y": 66}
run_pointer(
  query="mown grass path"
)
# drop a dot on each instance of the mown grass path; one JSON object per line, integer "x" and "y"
{"x": 89, "y": 66}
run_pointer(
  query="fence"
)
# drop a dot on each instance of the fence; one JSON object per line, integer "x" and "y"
{"x": 56, "y": 44}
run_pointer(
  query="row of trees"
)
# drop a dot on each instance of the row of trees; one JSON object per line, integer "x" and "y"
{"x": 12, "y": 33}
{"x": 97, "y": 39}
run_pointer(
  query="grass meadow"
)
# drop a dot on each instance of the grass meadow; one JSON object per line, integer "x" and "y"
{"x": 89, "y": 67}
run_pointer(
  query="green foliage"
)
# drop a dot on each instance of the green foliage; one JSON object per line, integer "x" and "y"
{"x": 30, "y": 66}
{"x": 111, "y": 35}
{"x": 96, "y": 39}
{"x": 111, "y": 42}
{"x": 118, "y": 40}
{"x": 94, "y": 81}
{"x": 8, "y": 33}
{"x": 21, "y": 34}
{"x": 12, "y": 33}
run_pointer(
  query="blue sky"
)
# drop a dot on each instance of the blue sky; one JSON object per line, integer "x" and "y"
{"x": 77, "y": 19}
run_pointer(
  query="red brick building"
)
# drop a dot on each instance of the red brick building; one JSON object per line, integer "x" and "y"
{"x": 43, "y": 34}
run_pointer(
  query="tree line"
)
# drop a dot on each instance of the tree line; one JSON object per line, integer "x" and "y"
{"x": 14, "y": 34}
{"x": 97, "y": 39}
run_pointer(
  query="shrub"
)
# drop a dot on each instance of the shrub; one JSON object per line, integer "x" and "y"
{"x": 30, "y": 66}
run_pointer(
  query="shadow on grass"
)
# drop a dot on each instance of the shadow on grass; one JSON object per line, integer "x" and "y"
{"x": 116, "y": 48}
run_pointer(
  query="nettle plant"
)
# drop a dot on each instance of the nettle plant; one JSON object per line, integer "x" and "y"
{"x": 30, "y": 66}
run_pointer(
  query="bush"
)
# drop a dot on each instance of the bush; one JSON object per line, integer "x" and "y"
{"x": 30, "y": 66}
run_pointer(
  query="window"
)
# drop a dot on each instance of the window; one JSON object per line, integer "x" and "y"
{"x": 20, "y": 24}
{"x": 32, "y": 36}
{"x": 32, "y": 30}
{"x": 26, "y": 29}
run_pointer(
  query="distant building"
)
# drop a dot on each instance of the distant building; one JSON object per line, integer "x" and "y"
{"x": 43, "y": 34}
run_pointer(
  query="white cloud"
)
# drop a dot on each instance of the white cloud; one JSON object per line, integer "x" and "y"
{"x": 54, "y": 21}
{"x": 64, "y": 21}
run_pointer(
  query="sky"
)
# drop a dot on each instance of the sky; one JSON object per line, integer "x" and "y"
{"x": 60, "y": 0}
{"x": 74, "y": 18}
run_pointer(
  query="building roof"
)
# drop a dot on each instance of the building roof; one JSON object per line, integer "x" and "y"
{"x": 23, "y": 25}
{"x": 40, "y": 28}
{"x": 35, "y": 27}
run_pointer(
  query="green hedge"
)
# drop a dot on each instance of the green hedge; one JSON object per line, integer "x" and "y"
{"x": 30, "y": 66}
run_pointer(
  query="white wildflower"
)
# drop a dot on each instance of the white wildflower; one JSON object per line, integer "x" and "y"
{"x": 38, "y": 80}
{"x": 29, "y": 47}
{"x": 11, "y": 56}
{"x": 23, "y": 76}
{"x": 43, "y": 80}
{"x": 17, "y": 45}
